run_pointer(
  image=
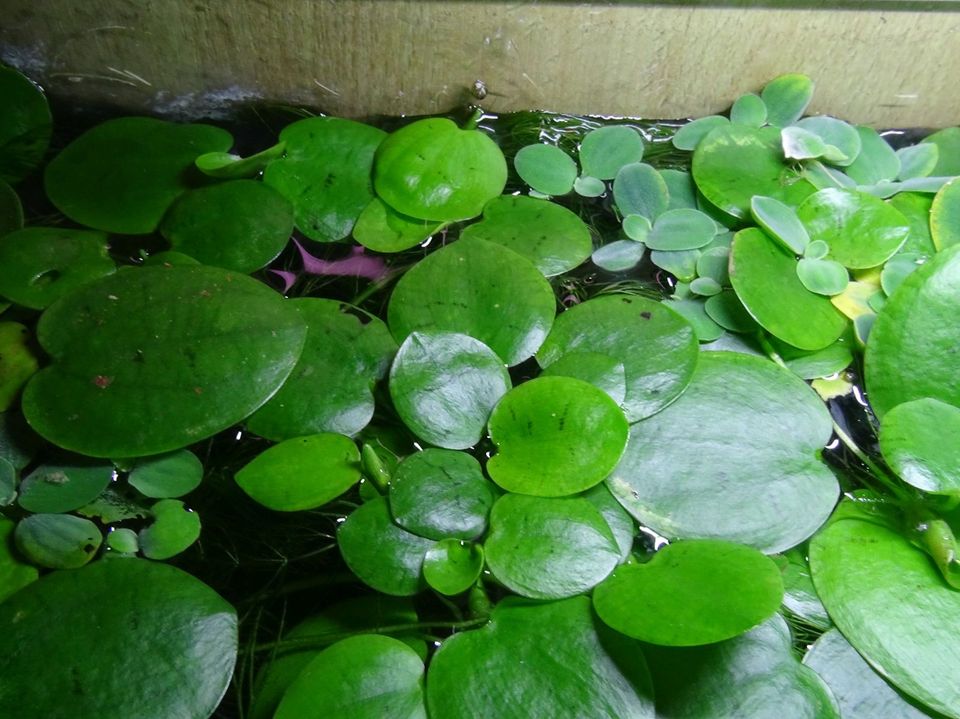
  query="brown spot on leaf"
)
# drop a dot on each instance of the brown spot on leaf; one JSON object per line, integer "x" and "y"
{"x": 646, "y": 315}
{"x": 102, "y": 381}
{"x": 198, "y": 390}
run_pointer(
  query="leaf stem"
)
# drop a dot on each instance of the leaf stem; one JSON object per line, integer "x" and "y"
{"x": 474, "y": 120}
{"x": 885, "y": 478}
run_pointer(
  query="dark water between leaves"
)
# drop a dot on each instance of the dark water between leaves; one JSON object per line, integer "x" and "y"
{"x": 278, "y": 568}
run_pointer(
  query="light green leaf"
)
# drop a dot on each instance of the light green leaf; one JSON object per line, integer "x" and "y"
{"x": 945, "y": 216}
{"x": 382, "y": 229}
{"x": 876, "y": 162}
{"x": 759, "y": 434}
{"x": 174, "y": 529}
{"x": 823, "y": 277}
{"x": 302, "y": 473}
{"x": 681, "y": 230}
{"x": 786, "y": 97}
{"x": 619, "y": 255}
{"x": 841, "y": 139}
{"x": 911, "y": 439}
{"x": 546, "y": 168}
{"x": 917, "y": 160}
{"x": 640, "y": 190}
{"x": 605, "y": 150}
{"x": 750, "y": 110}
{"x": 452, "y": 566}
{"x": 780, "y": 222}
{"x": 688, "y": 136}
{"x": 167, "y": 475}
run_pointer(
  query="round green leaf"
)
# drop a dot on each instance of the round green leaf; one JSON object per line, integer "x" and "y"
{"x": 841, "y": 138}
{"x": 380, "y": 553}
{"x": 852, "y": 562}
{"x": 600, "y": 370}
{"x": 123, "y": 540}
{"x": 302, "y": 473}
{"x": 239, "y": 225}
{"x": 680, "y": 230}
{"x": 331, "y": 386}
{"x": 433, "y": 170}
{"x": 755, "y": 675}
{"x": 690, "y": 593}
{"x": 444, "y": 386}
{"x": 174, "y": 528}
{"x": 587, "y": 186}
{"x": 122, "y": 175}
{"x": 912, "y": 442}
{"x": 75, "y": 629}
{"x": 25, "y": 125}
{"x": 750, "y": 110}
{"x": 363, "y": 677}
{"x": 452, "y": 566}
{"x": 549, "y": 548}
{"x": 876, "y": 162}
{"x": 619, "y": 255}
{"x": 733, "y": 163}
{"x": 555, "y": 436}
{"x": 325, "y": 174}
{"x": 759, "y": 432}
{"x": 822, "y": 277}
{"x": 38, "y": 265}
{"x": 478, "y": 289}
{"x": 945, "y": 216}
{"x": 639, "y": 189}
{"x": 780, "y": 222}
{"x": 817, "y": 250}
{"x": 693, "y": 309}
{"x": 552, "y": 237}
{"x": 57, "y": 541}
{"x": 637, "y": 227}
{"x": 656, "y": 346}
{"x": 382, "y": 229}
{"x": 167, "y": 475}
{"x": 728, "y": 311}
{"x": 439, "y": 494}
{"x": 357, "y": 615}
{"x": 64, "y": 487}
{"x": 705, "y": 287}
{"x": 227, "y": 166}
{"x": 553, "y": 657}
{"x": 11, "y": 212}
{"x": 546, "y": 168}
{"x": 910, "y": 354}
{"x": 688, "y": 136}
{"x": 15, "y": 574}
{"x": 860, "y": 692}
{"x": 605, "y": 150}
{"x": 786, "y": 97}
{"x": 148, "y": 360}
{"x": 861, "y": 230}
{"x": 764, "y": 276}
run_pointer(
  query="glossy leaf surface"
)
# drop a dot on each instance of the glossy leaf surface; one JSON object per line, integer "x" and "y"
{"x": 325, "y": 174}
{"x": 452, "y": 566}
{"x": 57, "y": 541}
{"x": 64, "y": 487}
{"x": 38, "y": 265}
{"x": 444, "y": 386}
{"x": 147, "y": 360}
{"x": 439, "y": 494}
{"x": 382, "y": 229}
{"x": 912, "y": 441}
{"x": 167, "y": 475}
{"x": 122, "y": 175}
{"x": 690, "y": 593}
{"x": 555, "y": 436}
{"x": 910, "y": 351}
{"x": 549, "y": 548}
{"x": 786, "y": 97}
{"x": 302, "y": 473}
{"x": 552, "y": 237}
{"x": 433, "y": 170}
{"x": 363, "y": 677}
{"x": 556, "y": 659}
{"x": 75, "y": 628}
{"x": 852, "y": 561}
{"x": 174, "y": 529}
{"x": 331, "y": 386}
{"x": 759, "y": 433}
{"x": 478, "y": 289}
{"x": 764, "y": 276}
{"x": 655, "y": 345}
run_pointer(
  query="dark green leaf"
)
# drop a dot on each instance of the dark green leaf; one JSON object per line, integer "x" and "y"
{"x": 11, "y": 212}
{"x": 25, "y": 125}
{"x": 167, "y": 475}
{"x": 57, "y": 541}
{"x": 64, "y": 487}
{"x": 15, "y": 574}
{"x": 600, "y": 370}
{"x": 451, "y": 566}
{"x": 174, "y": 529}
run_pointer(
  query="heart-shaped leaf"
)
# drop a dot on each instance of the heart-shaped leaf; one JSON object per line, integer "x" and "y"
{"x": 147, "y": 360}
{"x": 174, "y": 529}
{"x": 690, "y": 593}
{"x": 73, "y": 627}
{"x": 325, "y": 174}
{"x": 549, "y": 548}
{"x": 419, "y": 170}
{"x": 478, "y": 289}
{"x": 759, "y": 433}
{"x": 452, "y": 566}
{"x": 122, "y": 175}
{"x": 554, "y": 656}
{"x": 555, "y": 436}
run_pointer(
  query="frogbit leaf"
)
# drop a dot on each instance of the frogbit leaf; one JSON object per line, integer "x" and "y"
{"x": 605, "y": 150}
{"x": 780, "y": 222}
{"x": 57, "y": 541}
{"x": 823, "y": 277}
{"x": 877, "y": 161}
{"x": 749, "y": 109}
{"x": 173, "y": 530}
{"x": 167, "y": 475}
{"x": 681, "y": 230}
{"x": 452, "y": 566}
{"x": 382, "y": 229}
{"x": 692, "y": 592}
{"x": 638, "y": 189}
{"x": 841, "y": 139}
{"x": 619, "y": 255}
{"x": 64, "y": 486}
{"x": 786, "y": 97}
{"x": 546, "y": 168}
{"x": 911, "y": 439}
{"x": 918, "y": 160}
{"x": 25, "y": 125}
{"x": 555, "y": 436}
{"x": 690, "y": 134}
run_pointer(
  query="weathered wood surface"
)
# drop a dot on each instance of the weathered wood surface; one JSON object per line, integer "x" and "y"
{"x": 363, "y": 57}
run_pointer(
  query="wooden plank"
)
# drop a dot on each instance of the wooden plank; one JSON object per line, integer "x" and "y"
{"x": 358, "y": 58}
